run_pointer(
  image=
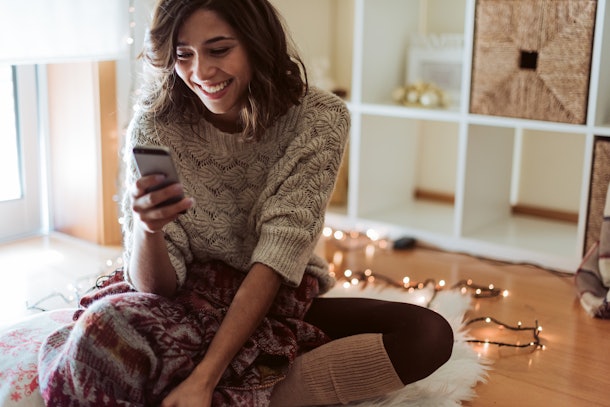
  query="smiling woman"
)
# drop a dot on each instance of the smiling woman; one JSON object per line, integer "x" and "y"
{"x": 10, "y": 183}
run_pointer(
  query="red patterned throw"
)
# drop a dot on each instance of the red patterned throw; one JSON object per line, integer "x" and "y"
{"x": 131, "y": 349}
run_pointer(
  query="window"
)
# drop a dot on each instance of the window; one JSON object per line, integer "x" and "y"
{"x": 11, "y": 180}
{"x": 20, "y": 157}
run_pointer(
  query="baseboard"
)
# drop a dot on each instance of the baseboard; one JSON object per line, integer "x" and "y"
{"x": 545, "y": 213}
{"x": 441, "y": 197}
{"x": 518, "y": 209}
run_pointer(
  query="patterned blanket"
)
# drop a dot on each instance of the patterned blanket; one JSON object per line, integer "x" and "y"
{"x": 593, "y": 276}
{"x": 131, "y": 349}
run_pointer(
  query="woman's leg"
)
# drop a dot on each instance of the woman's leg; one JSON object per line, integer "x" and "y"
{"x": 377, "y": 347}
{"x": 417, "y": 339}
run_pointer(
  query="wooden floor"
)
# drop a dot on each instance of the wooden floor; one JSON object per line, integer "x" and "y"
{"x": 574, "y": 367}
{"x": 572, "y": 370}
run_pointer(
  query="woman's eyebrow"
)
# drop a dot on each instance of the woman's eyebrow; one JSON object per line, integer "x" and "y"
{"x": 219, "y": 38}
{"x": 210, "y": 41}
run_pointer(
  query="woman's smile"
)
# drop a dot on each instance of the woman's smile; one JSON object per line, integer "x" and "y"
{"x": 214, "y": 91}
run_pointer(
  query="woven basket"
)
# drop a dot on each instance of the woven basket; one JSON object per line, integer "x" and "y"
{"x": 600, "y": 179}
{"x": 532, "y": 59}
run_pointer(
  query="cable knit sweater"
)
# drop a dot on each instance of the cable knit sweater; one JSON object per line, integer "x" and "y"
{"x": 255, "y": 201}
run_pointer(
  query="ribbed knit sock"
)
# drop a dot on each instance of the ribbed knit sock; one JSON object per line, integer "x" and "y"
{"x": 347, "y": 369}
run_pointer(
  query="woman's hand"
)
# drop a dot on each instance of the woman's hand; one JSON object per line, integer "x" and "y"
{"x": 145, "y": 204}
{"x": 247, "y": 310}
{"x": 190, "y": 393}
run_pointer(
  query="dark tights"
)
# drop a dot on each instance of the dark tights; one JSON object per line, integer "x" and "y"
{"x": 417, "y": 340}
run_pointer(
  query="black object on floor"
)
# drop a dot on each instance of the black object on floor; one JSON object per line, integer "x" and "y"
{"x": 404, "y": 243}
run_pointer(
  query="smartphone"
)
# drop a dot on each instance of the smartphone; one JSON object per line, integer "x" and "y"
{"x": 157, "y": 160}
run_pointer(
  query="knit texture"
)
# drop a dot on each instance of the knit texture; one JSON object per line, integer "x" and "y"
{"x": 131, "y": 349}
{"x": 347, "y": 369}
{"x": 255, "y": 201}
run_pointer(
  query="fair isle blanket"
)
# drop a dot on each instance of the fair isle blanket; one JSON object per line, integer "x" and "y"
{"x": 130, "y": 349}
{"x": 593, "y": 276}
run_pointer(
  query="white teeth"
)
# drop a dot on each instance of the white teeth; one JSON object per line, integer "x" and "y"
{"x": 216, "y": 88}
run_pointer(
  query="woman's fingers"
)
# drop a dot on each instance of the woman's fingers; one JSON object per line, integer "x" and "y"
{"x": 149, "y": 192}
{"x": 156, "y": 205}
{"x": 147, "y": 183}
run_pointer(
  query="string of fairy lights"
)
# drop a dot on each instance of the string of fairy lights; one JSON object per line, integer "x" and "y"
{"x": 369, "y": 240}
{"x": 351, "y": 279}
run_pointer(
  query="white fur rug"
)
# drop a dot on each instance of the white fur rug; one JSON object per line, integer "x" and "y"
{"x": 454, "y": 382}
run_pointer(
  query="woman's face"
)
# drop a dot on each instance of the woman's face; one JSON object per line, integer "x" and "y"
{"x": 213, "y": 63}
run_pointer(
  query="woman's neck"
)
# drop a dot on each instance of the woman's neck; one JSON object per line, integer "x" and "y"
{"x": 224, "y": 123}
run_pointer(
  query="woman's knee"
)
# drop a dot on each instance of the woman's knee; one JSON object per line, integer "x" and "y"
{"x": 421, "y": 347}
{"x": 440, "y": 337}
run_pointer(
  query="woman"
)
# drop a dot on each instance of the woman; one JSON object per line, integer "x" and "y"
{"x": 222, "y": 286}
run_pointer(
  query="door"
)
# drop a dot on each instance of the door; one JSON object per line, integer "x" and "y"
{"x": 20, "y": 152}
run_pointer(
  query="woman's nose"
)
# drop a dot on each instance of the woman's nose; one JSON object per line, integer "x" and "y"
{"x": 203, "y": 68}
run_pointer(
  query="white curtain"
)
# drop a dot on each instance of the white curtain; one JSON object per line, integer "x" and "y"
{"x": 42, "y": 31}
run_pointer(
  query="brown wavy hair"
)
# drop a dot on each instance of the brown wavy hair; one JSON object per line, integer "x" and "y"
{"x": 279, "y": 78}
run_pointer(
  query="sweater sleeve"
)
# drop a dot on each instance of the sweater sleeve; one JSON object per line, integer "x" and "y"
{"x": 292, "y": 216}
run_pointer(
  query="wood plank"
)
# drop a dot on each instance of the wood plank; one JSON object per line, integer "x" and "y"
{"x": 573, "y": 369}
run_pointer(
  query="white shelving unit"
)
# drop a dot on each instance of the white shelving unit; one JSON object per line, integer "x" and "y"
{"x": 486, "y": 163}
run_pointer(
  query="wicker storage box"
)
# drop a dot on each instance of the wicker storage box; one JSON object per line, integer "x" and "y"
{"x": 532, "y": 59}
{"x": 600, "y": 179}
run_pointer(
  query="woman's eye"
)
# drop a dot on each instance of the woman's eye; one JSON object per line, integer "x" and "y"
{"x": 219, "y": 51}
{"x": 183, "y": 55}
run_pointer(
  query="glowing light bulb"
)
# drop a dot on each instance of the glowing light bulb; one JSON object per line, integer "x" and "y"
{"x": 338, "y": 257}
{"x": 372, "y": 234}
{"x": 347, "y": 273}
{"x": 369, "y": 251}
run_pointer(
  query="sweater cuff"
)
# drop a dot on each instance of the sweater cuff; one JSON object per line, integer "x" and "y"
{"x": 288, "y": 256}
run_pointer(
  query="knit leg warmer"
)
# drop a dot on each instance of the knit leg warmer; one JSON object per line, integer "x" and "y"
{"x": 344, "y": 370}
